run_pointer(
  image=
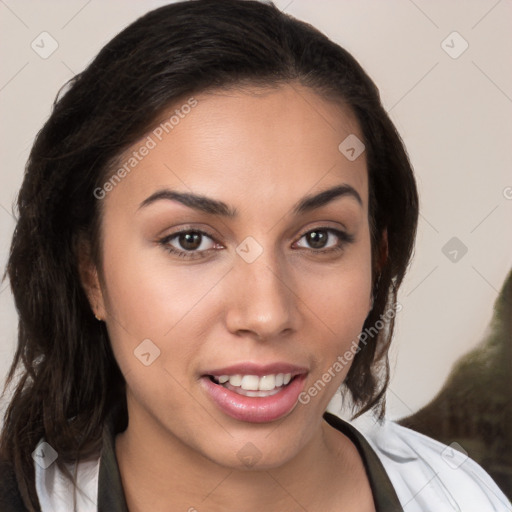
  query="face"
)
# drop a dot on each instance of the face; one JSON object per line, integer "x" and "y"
{"x": 229, "y": 293}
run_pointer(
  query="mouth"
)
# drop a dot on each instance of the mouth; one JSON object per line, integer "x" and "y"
{"x": 256, "y": 397}
{"x": 254, "y": 386}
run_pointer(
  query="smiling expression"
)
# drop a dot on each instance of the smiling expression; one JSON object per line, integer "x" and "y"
{"x": 237, "y": 248}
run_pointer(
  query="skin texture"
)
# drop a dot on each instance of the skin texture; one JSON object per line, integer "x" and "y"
{"x": 259, "y": 151}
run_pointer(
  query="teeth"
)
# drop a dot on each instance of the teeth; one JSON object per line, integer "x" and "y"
{"x": 255, "y": 383}
{"x": 235, "y": 380}
{"x": 267, "y": 383}
{"x": 249, "y": 382}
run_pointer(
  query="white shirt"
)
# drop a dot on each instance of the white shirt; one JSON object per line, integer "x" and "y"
{"x": 427, "y": 475}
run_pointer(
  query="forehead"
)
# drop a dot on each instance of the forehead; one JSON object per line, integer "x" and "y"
{"x": 246, "y": 147}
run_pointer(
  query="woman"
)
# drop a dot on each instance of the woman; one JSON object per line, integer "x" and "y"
{"x": 213, "y": 227}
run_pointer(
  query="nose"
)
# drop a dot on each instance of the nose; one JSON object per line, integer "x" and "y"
{"x": 261, "y": 299}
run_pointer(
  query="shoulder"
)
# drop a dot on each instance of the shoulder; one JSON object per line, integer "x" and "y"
{"x": 426, "y": 472}
{"x": 10, "y": 498}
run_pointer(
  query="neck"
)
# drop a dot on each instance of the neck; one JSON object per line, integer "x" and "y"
{"x": 159, "y": 473}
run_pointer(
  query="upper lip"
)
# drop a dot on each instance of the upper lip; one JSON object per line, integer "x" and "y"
{"x": 260, "y": 370}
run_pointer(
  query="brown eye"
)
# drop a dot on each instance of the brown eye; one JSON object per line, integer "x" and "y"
{"x": 188, "y": 243}
{"x": 317, "y": 239}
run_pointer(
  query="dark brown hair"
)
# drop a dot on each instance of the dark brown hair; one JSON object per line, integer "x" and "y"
{"x": 68, "y": 378}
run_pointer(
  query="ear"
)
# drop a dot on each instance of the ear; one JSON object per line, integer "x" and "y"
{"x": 89, "y": 279}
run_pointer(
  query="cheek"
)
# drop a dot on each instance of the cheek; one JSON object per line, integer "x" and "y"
{"x": 340, "y": 301}
{"x": 148, "y": 293}
{"x": 148, "y": 298}
{"x": 340, "y": 295}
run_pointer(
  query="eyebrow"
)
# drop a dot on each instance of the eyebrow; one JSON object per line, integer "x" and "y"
{"x": 215, "y": 207}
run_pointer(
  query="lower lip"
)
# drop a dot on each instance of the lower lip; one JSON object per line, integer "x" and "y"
{"x": 255, "y": 409}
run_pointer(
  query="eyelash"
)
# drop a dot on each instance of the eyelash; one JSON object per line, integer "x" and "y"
{"x": 345, "y": 239}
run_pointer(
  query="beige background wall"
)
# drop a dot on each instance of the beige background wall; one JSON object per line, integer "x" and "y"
{"x": 452, "y": 107}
